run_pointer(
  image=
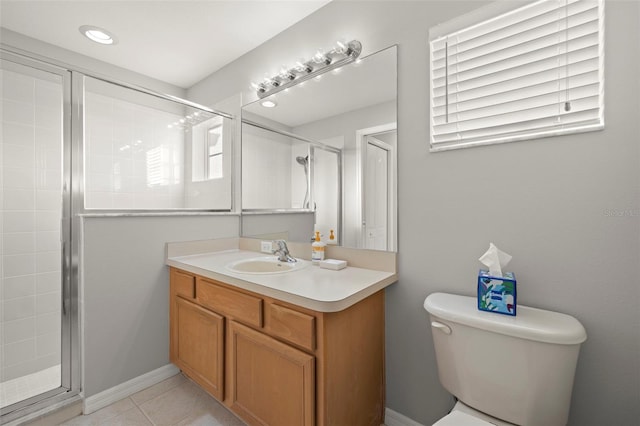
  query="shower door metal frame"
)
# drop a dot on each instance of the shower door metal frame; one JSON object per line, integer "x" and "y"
{"x": 69, "y": 230}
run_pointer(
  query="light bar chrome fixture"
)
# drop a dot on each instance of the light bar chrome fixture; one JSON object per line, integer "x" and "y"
{"x": 342, "y": 54}
{"x": 189, "y": 121}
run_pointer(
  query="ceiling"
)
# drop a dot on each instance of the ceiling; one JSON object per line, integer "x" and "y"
{"x": 176, "y": 41}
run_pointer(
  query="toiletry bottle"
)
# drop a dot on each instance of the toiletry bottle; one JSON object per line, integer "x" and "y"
{"x": 317, "y": 250}
{"x": 332, "y": 238}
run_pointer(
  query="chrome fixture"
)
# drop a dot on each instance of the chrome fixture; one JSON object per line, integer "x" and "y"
{"x": 304, "y": 162}
{"x": 283, "y": 252}
{"x": 321, "y": 62}
{"x": 188, "y": 121}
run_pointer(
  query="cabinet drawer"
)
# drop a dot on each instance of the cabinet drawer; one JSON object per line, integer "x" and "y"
{"x": 184, "y": 284}
{"x": 243, "y": 307}
{"x": 293, "y": 326}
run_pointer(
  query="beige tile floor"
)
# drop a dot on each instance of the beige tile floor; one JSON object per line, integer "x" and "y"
{"x": 175, "y": 401}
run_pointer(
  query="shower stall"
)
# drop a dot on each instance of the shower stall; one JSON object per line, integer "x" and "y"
{"x": 39, "y": 321}
{"x": 74, "y": 145}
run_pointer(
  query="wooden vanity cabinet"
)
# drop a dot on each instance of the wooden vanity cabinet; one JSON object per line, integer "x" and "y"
{"x": 197, "y": 336}
{"x": 275, "y": 363}
{"x": 270, "y": 382}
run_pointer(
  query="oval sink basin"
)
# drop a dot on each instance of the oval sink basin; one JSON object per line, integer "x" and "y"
{"x": 265, "y": 265}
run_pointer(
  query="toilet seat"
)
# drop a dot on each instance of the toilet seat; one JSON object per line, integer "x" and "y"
{"x": 458, "y": 418}
{"x": 463, "y": 415}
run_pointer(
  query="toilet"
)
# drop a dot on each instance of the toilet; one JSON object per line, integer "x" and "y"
{"x": 504, "y": 370}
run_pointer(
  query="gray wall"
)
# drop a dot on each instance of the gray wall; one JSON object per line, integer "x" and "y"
{"x": 125, "y": 292}
{"x": 548, "y": 202}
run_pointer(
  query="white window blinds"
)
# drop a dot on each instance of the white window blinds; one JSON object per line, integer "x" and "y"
{"x": 535, "y": 71}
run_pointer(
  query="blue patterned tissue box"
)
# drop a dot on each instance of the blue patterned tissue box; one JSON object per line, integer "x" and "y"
{"x": 497, "y": 294}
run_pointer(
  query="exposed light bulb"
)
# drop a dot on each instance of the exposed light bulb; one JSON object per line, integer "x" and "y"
{"x": 302, "y": 67}
{"x": 320, "y": 57}
{"x": 285, "y": 74}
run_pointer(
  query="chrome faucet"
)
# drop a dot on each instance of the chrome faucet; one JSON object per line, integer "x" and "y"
{"x": 283, "y": 252}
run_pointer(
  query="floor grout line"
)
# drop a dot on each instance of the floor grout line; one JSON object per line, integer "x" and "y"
{"x": 145, "y": 414}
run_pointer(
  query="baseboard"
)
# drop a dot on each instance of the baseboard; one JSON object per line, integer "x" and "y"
{"x": 393, "y": 418}
{"x": 128, "y": 388}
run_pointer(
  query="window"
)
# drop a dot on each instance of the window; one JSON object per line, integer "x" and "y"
{"x": 531, "y": 72}
{"x": 214, "y": 152}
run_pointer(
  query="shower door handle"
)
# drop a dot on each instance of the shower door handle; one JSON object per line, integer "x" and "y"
{"x": 66, "y": 264}
{"x": 65, "y": 274}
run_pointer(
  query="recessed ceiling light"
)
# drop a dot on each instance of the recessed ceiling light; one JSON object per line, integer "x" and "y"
{"x": 99, "y": 35}
{"x": 269, "y": 104}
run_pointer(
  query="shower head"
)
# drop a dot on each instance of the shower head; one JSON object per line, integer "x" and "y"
{"x": 303, "y": 161}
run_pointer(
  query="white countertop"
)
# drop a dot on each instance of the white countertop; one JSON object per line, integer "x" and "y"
{"x": 312, "y": 287}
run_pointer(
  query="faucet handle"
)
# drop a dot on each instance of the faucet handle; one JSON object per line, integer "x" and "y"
{"x": 281, "y": 244}
{"x": 283, "y": 251}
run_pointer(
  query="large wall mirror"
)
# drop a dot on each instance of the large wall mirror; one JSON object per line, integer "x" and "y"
{"x": 322, "y": 156}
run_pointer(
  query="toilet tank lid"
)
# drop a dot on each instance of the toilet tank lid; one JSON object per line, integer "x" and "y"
{"x": 529, "y": 323}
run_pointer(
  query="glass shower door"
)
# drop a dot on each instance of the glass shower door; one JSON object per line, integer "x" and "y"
{"x": 34, "y": 324}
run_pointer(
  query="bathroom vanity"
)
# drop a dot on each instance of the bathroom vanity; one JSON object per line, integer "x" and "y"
{"x": 296, "y": 348}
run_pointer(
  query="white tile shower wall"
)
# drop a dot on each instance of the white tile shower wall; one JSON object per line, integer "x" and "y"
{"x": 30, "y": 195}
{"x": 266, "y": 170}
{"x": 132, "y": 158}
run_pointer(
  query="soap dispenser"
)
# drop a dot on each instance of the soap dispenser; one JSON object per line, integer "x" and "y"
{"x": 317, "y": 250}
{"x": 332, "y": 237}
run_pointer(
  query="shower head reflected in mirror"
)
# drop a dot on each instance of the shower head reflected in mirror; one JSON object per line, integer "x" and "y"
{"x": 304, "y": 161}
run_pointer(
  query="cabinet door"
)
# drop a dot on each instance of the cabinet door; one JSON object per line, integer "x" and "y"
{"x": 271, "y": 383}
{"x": 199, "y": 346}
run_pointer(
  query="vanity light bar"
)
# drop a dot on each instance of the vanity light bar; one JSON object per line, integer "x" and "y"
{"x": 321, "y": 62}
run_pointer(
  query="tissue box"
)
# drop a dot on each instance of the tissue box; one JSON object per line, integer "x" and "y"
{"x": 497, "y": 294}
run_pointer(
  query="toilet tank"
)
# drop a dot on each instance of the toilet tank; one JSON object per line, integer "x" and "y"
{"x": 518, "y": 369}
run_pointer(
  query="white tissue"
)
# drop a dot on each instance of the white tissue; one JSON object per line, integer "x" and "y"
{"x": 495, "y": 259}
